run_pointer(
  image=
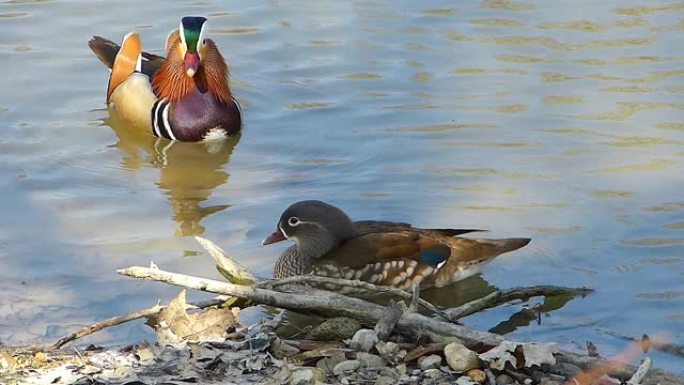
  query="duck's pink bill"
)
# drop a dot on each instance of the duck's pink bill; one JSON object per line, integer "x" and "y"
{"x": 276, "y": 236}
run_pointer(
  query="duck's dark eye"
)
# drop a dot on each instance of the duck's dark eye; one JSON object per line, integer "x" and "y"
{"x": 204, "y": 42}
{"x": 293, "y": 221}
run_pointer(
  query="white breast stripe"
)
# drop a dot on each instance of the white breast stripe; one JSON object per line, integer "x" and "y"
{"x": 167, "y": 126}
{"x": 155, "y": 120}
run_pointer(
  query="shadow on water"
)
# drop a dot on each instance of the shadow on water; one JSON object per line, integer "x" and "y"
{"x": 189, "y": 172}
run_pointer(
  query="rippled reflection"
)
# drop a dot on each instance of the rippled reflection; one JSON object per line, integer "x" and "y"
{"x": 189, "y": 172}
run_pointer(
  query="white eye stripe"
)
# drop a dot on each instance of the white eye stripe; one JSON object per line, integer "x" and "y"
{"x": 202, "y": 31}
{"x": 201, "y": 41}
{"x": 182, "y": 32}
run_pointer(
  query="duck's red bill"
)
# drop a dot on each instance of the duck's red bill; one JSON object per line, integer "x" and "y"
{"x": 276, "y": 236}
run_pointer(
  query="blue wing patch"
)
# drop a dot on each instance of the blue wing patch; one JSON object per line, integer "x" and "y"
{"x": 434, "y": 256}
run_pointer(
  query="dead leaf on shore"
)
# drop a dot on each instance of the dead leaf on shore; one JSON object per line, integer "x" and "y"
{"x": 174, "y": 325}
{"x": 519, "y": 355}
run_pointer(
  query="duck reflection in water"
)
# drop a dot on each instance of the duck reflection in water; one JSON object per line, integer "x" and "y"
{"x": 189, "y": 172}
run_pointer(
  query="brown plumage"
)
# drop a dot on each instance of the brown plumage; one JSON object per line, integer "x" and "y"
{"x": 328, "y": 243}
{"x": 170, "y": 81}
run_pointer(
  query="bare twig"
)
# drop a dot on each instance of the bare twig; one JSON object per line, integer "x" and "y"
{"x": 499, "y": 297}
{"x": 143, "y": 313}
{"x": 232, "y": 270}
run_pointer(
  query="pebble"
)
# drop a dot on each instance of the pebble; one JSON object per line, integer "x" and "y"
{"x": 435, "y": 375}
{"x": 364, "y": 340}
{"x": 504, "y": 379}
{"x": 346, "y": 366}
{"x": 429, "y": 362}
{"x": 387, "y": 348}
{"x": 334, "y": 329}
{"x": 460, "y": 358}
{"x": 390, "y": 372}
{"x": 327, "y": 364}
{"x": 280, "y": 349}
{"x": 40, "y": 358}
{"x": 307, "y": 376}
{"x": 370, "y": 361}
{"x": 477, "y": 375}
{"x": 465, "y": 380}
{"x": 384, "y": 380}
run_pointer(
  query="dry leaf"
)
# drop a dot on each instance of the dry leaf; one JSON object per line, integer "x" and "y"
{"x": 208, "y": 325}
{"x": 520, "y": 354}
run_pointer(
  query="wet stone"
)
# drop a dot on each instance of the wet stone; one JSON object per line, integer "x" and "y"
{"x": 346, "y": 366}
{"x": 435, "y": 375}
{"x": 477, "y": 375}
{"x": 504, "y": 379}
{"x": 432, "y": 361}
{"x": 390, "y": 372}
{"x": 307, "y": 376}
{"x": 370, "y": 361}
{"x": 334, "y": 329}
{"x": 460, "y": 358}
{"x": 327, "y": 364}
{"x": 387, "y": 349}
{"x": 364, "y": 340}
{"x": 384, "y": 380}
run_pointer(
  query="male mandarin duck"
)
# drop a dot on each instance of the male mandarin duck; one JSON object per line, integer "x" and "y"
{"x": 329, "y": 243}
{"x": 185, "y": 96}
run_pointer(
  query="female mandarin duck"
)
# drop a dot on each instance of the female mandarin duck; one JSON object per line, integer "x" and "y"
{"x": 328, "y": 243}
{"x": 188, "y": 97}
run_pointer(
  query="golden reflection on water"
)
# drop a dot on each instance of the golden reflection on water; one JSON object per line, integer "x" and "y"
{"x": 189, "y": 172}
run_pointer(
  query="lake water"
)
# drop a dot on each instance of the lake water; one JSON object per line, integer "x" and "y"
{"x": 558, "y": 120}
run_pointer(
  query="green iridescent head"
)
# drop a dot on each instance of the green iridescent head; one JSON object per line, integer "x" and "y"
{"x": 192, "y": 32}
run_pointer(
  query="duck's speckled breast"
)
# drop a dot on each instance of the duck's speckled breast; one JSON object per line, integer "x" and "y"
{"x": 199, "y": 112}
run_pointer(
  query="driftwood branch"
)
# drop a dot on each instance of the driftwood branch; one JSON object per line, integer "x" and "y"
{"x": 389, "y": 320}
{"x": 318, "y": 302}
{"x": 367, "y": 287}
{"x": 232, "y": 270}
{"x": 143, "y": 313}
{"x": 640, "y": 374}
{"x": 502, "y": 296}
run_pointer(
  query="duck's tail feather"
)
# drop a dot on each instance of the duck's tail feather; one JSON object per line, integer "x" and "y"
{"x": 500, "y": 246}
{"x": 455, "y": 232}
{"x": 127, "y": 61}
{"x": 106, "y": 50}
